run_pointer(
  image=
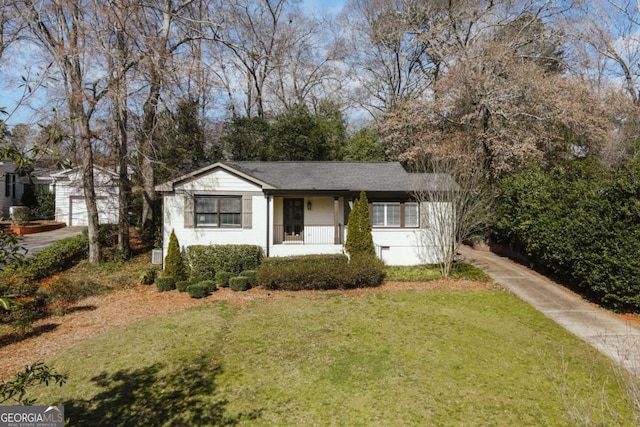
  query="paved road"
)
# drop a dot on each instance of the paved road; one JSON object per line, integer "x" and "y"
{"x": 611, "y": 335}
{"x": 34, "y": 243}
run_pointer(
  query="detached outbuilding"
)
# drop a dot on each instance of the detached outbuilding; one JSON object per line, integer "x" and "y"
{"x": 70, "y": 202}
{"x": 299, "y": 208}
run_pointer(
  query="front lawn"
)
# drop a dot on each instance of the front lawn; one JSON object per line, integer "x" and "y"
{"x": 350, "y": 359}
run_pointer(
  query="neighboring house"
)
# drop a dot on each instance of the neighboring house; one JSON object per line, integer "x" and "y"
{"x": 70, "y": 202}
{"x": 12, "y": 188}
{"x": 298, "y": 208}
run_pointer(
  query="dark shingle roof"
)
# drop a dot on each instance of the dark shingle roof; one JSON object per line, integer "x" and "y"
{"x": 327, "y": 175}
{"x": 333, "y": 176}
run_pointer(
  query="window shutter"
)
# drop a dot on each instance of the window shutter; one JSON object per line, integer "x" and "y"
{"x": 189, "y": 211}
{"x": 247, "y": 211}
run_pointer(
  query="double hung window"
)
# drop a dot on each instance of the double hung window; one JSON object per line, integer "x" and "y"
{"x": 394, "y": 214}
{"x": 216, "y": 211}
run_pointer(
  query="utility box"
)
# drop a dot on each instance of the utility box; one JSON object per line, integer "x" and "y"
{"x": 156, "y": 256}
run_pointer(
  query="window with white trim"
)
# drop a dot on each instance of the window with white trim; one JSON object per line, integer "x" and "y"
{"x": 394, "y": 214}
{"x": 411, "y": 215}
{"x": 385, "y": 215}
{"x": 217, "y": 211}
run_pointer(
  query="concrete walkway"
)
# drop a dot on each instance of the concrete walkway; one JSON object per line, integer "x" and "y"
{"x": 608, "y": 333}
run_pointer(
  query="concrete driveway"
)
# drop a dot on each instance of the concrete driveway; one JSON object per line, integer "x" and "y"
{"x": 34, "y": 243}
{"x": 608, "y": 333}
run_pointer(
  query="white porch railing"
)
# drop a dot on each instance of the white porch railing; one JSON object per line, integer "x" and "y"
{"x": 308, "y": 234}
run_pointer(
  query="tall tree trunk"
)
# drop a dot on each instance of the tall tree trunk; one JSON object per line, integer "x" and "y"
{"x": 120, "y": 119}
{"x": 147, "y": 151}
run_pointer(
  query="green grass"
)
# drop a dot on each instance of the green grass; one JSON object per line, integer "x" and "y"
{"x": 395, "y": 358}
{"x": 428, "y": 272}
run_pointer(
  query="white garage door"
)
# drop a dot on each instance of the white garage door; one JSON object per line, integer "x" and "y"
{"x": 79, "y": 216}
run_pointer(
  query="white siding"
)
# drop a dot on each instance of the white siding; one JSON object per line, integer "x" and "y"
{"x": 217, "y": 182}
{"x": 15, "y": 198}
{"x": 70, "y": 206}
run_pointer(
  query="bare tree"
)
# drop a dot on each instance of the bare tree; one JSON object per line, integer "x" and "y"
{"x": 505, "y": 101}
{"x": 256, "y": 34}
{"x": 606, "y": 53}
{"x": 387, "y": 53}
{"x": 457, "y": 202}
{"x": 62, "y": 30}
{"x": 161, "y": 29}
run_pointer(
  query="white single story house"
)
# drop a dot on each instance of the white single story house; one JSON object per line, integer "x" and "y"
{"x": 300, "y": 208}
{"x": 70, "y": 202}
{"x": 12, "y": 188}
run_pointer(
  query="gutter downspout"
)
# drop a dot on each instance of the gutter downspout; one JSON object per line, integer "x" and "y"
{"x": 268, "y": 220}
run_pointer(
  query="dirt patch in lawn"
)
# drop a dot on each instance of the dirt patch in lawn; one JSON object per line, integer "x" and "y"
{"x": 95, "y": 315}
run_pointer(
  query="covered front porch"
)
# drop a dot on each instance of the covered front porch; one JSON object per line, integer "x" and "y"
{"x": 307, "y": 224}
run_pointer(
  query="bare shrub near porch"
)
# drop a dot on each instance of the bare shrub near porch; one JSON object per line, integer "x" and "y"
{"x": 458, "y": 209}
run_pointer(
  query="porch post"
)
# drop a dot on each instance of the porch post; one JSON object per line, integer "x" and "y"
{"x": 336, "y": 218}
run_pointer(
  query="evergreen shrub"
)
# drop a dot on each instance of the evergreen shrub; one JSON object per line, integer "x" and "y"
{"x": 205, "y": 261}
{"x": 182, "y": 285}
{"x": 173, "y": 264}
{"x": 320, "y": 272}
{"x": 222, "y": 278}
{"x": 252, "y": 276}
{"x": 165, "y": 284}
{"x": 578, "y": 223}
{"x": 210, "y": 285}
{"x": 359, "y": 238}
{"x": 239, "y": 284}
{"x": 53, "y": 259}
{"x": 199, "y": 290}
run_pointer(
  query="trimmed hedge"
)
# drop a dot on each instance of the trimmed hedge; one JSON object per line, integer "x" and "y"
{"x": 165, "y": 284}
{"x": 252, "y": 276}
{"x": 319, "y": 272}
{"x": 205, "y": 261}
{"x": 182, "y": 285}
{"x": 210, "y": 284}
{"x": 222, "y": 278}
{"x": 199, "y": 290}
{"x": 239, "y": 284}
{"x": 580, "y": 224}
{"x": 59, "y": 256}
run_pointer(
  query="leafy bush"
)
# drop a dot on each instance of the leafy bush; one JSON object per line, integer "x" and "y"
{"x": 239, "y": 284}
{"x": 205, "y": 261}
{"x": 198, "y": 290}
{"x": 252, "y": 276}
{"x": 149, "y": 277}
{"x": 60, "y": 292}
{"x": 222, "y": 278}
{"x": 108, "y": 235}
{"x": 45, "y": 204}
{"x": 53, "y": 259}
{"x": 20, "y": 215}
{"x": 15, "y": 391}
{"x": 210, "y": 284}
{"x": 319, "y": 272}
{"x": 182, "y": 285}
{"x": 365, "y": 271}
{"x": 578, "y": 223}
{"x": 22, "y": 316}
{"x": 165, "y": 284}
{"x": 173, "y": 264}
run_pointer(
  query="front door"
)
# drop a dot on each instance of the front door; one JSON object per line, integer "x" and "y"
{"x": 293, "y": 220}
